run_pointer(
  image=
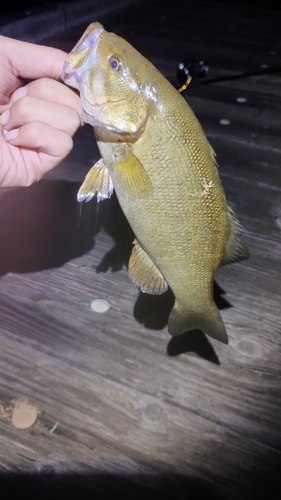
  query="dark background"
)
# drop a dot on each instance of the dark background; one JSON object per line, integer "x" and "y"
{"x": 14, "y": 6}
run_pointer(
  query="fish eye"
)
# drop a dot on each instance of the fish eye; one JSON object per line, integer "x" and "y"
{"x": 115, "y": 63}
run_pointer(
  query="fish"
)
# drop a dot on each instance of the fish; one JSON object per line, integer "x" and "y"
{"x": 156, "y": 157}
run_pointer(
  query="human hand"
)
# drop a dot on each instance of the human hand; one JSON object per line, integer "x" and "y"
{"x": 38, "y": 119}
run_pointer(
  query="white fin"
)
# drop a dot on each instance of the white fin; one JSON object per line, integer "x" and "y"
{"x": 97, "y": 181}
{"x": 144, "y": 273}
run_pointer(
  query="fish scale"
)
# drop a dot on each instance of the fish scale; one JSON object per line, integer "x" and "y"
{"x": 156, "y": 155}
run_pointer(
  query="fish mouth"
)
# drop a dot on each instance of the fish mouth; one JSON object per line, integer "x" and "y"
{"x": 80, "y": 61}
{"x": 82, "y": 56}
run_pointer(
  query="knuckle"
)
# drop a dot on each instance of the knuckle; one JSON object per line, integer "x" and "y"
{"x": 67, "y": 144}
{"x": 43, "y": 87}
{"x": 20, "y": 110}
{"x": 74, "y": 119}
{"x": 34, "y": 133}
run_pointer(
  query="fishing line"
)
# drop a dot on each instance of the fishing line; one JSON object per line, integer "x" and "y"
{"x": 198, "y": 70}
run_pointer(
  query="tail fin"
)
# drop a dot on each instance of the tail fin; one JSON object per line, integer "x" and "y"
{"x": 210, "y": 322}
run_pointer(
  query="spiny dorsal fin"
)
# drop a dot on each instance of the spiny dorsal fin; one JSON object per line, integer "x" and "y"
{"x": 97, "y": 181}
{"x": 144, "y": 273}
{"x": 132, "y": 174}
{"x": 234, "y": 249}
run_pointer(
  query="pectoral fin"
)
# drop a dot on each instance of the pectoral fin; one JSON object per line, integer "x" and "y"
{"x": 131, "y": 173}
{"x": 97, "y": 181}
{"x": 234, "y": 249}
{"x": 144, "y": 273}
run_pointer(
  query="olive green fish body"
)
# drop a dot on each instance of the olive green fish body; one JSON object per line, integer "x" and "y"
{"x": 182, "y": 224}
{"x": 165, "y": 176}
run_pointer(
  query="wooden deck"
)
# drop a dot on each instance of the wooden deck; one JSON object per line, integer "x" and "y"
{"x": 138, "y": 414}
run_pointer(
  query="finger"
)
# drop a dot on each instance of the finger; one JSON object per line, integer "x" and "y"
{"x": 3, "y": 107}
{"x": 32, "y": 61}
{"x": 43, "y": 138}
{"x": 31, "y": 109}
{"x": 49, "y": 90}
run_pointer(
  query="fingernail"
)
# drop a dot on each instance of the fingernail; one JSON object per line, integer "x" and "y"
{"x": 18, "y": 94}
{"x": 11, "y": 135}
{"x": 5, "y": 117}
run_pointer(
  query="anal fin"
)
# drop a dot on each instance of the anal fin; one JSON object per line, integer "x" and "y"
{"x": 97, "y": 181}
{"x": 144, "y": 273}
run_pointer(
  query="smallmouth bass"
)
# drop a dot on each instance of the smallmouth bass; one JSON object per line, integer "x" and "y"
{"x": 163, "y": 169}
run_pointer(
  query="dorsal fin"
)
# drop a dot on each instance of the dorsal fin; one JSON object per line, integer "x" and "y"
{"x": 234, "y": 249}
